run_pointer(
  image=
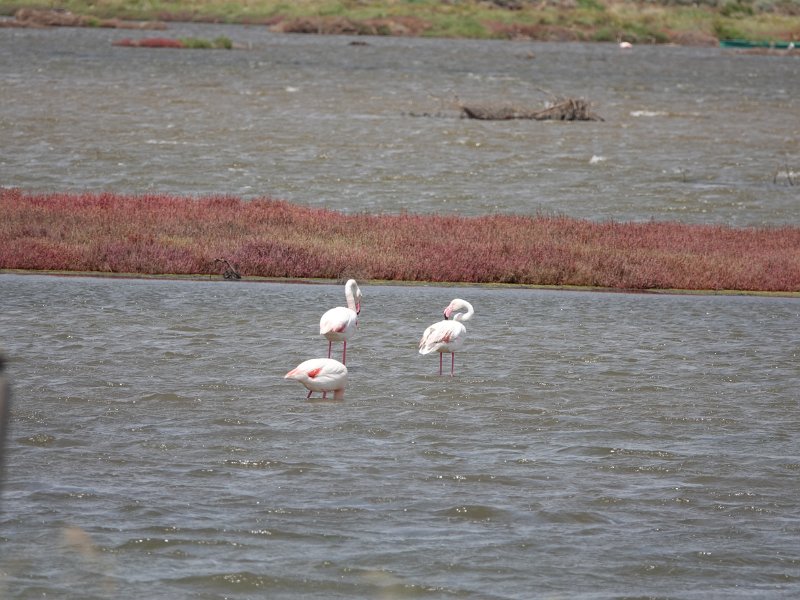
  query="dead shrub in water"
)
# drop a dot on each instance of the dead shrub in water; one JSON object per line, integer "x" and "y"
{"x": 162, "y": 234}
{"x": 564, "y": 109}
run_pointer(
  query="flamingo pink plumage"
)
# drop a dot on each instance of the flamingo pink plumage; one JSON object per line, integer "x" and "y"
{"x": 448, "y": 335}
{"x": 321, "y": 375}
{"x": 338, "y": 324}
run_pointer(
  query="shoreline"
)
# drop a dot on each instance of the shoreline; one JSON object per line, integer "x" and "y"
{"x": 659, "y": 22}
{"x": 199, "y": 277}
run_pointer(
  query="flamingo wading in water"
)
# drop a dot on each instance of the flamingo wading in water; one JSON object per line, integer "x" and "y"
{"x": 338, "y": 324}
{"x": 321, "y": 375}
{"x": 448, "y": 335}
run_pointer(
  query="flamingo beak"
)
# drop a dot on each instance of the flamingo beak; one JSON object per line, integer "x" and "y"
{"x": 446, "y": 314}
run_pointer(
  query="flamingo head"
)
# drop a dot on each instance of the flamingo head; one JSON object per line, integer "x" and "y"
{"x": 453, "y": 310}
{"x": 454, "y": 306}
{"x": 353, "y": 293}
{"x": 448, "y": 312}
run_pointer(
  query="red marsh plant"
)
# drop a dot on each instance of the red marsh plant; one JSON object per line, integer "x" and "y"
{"x": 162, "y": 234}
{"x": 221, "y": 42}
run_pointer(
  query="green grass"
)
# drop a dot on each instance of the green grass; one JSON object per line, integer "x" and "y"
{"x": 221, "y": 42}
{"x": 646, "y": 22}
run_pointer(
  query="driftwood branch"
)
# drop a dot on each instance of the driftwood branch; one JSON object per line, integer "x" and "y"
{"x": 230, "y": 272}
{"x": 787, "y": 173}
{"x": 567, "y": 109}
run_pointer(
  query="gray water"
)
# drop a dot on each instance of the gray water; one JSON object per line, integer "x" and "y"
{"x": 591, "y": 445}
{"x": 692, "y": 134}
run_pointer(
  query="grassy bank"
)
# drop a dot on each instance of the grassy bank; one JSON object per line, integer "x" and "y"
{"x": 157, "y": 234}
{"x": 645, "y": 21}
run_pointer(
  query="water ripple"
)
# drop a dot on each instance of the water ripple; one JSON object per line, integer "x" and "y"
{"x": 213, "y": 476}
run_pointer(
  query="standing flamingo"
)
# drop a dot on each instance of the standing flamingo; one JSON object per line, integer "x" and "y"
{"x": 321, "y": 375}
{"x": 447, "y": 335}
{"x": 338, "y": 324}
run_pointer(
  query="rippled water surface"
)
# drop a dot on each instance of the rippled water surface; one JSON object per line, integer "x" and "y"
{"x": 695, "y": 134}
{"x": 589, "y": 446}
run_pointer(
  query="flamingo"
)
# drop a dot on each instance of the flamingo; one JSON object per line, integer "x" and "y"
{"x": 338, "y": 324}
{"x": 447, "y": 335}
{"x": 321, "y": 375}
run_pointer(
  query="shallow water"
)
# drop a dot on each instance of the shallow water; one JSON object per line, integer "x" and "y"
{"x": 590, "y": 445}
{"x": 693, "y": 134}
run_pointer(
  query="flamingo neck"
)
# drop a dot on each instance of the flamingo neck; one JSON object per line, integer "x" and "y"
{"x": 466, "y": 316}
{"x": 351, "y": 300}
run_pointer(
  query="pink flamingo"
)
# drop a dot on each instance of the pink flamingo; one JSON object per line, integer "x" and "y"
{"x": 321, "y": 375}
{"x": 338, "y": 324}
{"x": 447, "y": 335}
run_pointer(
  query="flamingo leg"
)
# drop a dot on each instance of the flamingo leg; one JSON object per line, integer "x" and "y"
{"x": 452, "y": 364}
{"x": 309, "y": 394}
{"x": 324, "y": 395}
{"x": 329, "y": 348}
{"x": 440, "y": 363}
{"x": 344, "y": 352}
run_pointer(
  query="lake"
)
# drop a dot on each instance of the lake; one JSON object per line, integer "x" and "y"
{"x": 692, "y": 134}
{"x": 590, "y": 445}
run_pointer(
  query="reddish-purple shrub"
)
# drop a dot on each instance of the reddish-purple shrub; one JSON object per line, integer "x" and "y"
{"x": 158, "y": 233}
{"x": 155, "y": 42}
